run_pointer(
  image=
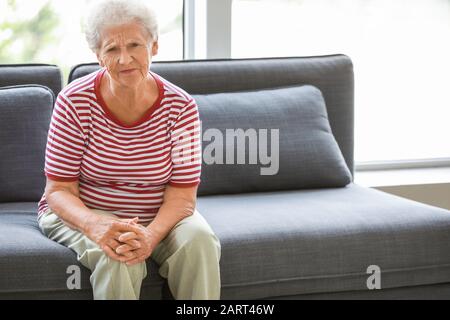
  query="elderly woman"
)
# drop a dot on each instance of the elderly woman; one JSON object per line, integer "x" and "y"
{"x": 123, "y": 163}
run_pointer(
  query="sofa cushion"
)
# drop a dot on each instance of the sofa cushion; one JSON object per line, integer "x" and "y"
{"x": 32, "y": 263}
{"x": 323, "y": 240}
{"x": 25, "y": 113}
{"x": 290, "y": 125}
{"x": 46, "y": 75}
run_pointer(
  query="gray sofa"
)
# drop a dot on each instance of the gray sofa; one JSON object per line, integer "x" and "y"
{"x": 306, "y": 232}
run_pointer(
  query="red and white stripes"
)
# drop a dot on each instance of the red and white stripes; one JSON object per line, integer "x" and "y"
{"x": 120, "y": 168}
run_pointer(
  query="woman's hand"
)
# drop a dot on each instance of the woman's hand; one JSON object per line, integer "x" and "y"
{"x": 147, "y": 240}
{"x": 106, "y": 231}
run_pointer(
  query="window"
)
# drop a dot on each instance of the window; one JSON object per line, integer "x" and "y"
{"x": 400, "y": 50}
{"x": 49, "y": 31}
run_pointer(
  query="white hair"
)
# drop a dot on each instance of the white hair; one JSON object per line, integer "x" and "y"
{"x": 108, "y": 13}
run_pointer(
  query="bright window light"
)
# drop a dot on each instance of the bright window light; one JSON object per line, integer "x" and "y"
{"x": 400, "y": 50}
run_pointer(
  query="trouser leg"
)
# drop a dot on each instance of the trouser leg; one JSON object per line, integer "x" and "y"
{"x": 189, "y": 259}
{"x": 110, "y": 279}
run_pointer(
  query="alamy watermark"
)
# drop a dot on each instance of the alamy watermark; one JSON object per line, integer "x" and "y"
{"x": 229, "y": 147}
{"x": 374, "y": 280}
{"x": 74, "y": 279}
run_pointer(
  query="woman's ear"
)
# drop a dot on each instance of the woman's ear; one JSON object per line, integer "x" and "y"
{"x": 155, "y": 48}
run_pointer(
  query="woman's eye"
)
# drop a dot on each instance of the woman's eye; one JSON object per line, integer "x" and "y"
{"x": 110, "y": 49}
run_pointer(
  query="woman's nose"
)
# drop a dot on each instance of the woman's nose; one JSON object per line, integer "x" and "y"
{"x": 125, "y": 57}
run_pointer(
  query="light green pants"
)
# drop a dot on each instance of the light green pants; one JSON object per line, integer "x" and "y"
{"x": 188, "y": 258}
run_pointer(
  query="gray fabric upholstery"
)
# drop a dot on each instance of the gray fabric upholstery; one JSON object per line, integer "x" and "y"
{"x": 40, "y": 74}
{"x": 333, "y": 75}
{"x": 30, "y": 262}
{"x": 308, "y": 153}
{"x": 426, "y": 292}
{"x": 25, "y": 113}
{"x": 273, "y": 244}
{"x": 323, "y": 240}
{"x": 19, "y": 207}
{"x": 83, "y": 69}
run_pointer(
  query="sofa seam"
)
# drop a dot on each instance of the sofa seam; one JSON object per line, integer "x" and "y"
{"x": 331, "y": 276}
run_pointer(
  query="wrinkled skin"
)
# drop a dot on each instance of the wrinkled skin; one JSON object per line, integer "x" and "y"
{"x": 124, "y": 47}
{"x": 122, "y": 239}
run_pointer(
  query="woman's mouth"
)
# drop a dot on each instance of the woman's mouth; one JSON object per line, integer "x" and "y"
{"x": 128, "y": 71}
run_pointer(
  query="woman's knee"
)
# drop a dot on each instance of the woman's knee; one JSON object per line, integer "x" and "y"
{"x": 96, "y": 258}
{"x": 203, "y": 241}
{"x": 48, "y": 221}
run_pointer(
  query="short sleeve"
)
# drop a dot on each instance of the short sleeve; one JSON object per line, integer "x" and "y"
{"x": 186, "y": 147}
{"x": 65, "y": 143}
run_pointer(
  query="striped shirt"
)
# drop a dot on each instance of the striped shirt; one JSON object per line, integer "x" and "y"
{"x": 123, "y": 168}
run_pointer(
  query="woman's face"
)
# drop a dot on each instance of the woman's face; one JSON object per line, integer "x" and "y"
{"x": 126, "y": 53}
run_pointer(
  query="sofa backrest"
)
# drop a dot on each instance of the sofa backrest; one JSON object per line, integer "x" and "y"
{"x": 46, "y": 75}
{"x": 332, "y": 74}
{"x": 25, "y": 113}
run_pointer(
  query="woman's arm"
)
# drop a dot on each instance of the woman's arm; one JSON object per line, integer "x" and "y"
{"x": 178, "y": 203}
{"x": 63, "y": 199}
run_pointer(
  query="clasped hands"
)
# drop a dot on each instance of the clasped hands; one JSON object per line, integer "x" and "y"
{"x": 123, "y": 240}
